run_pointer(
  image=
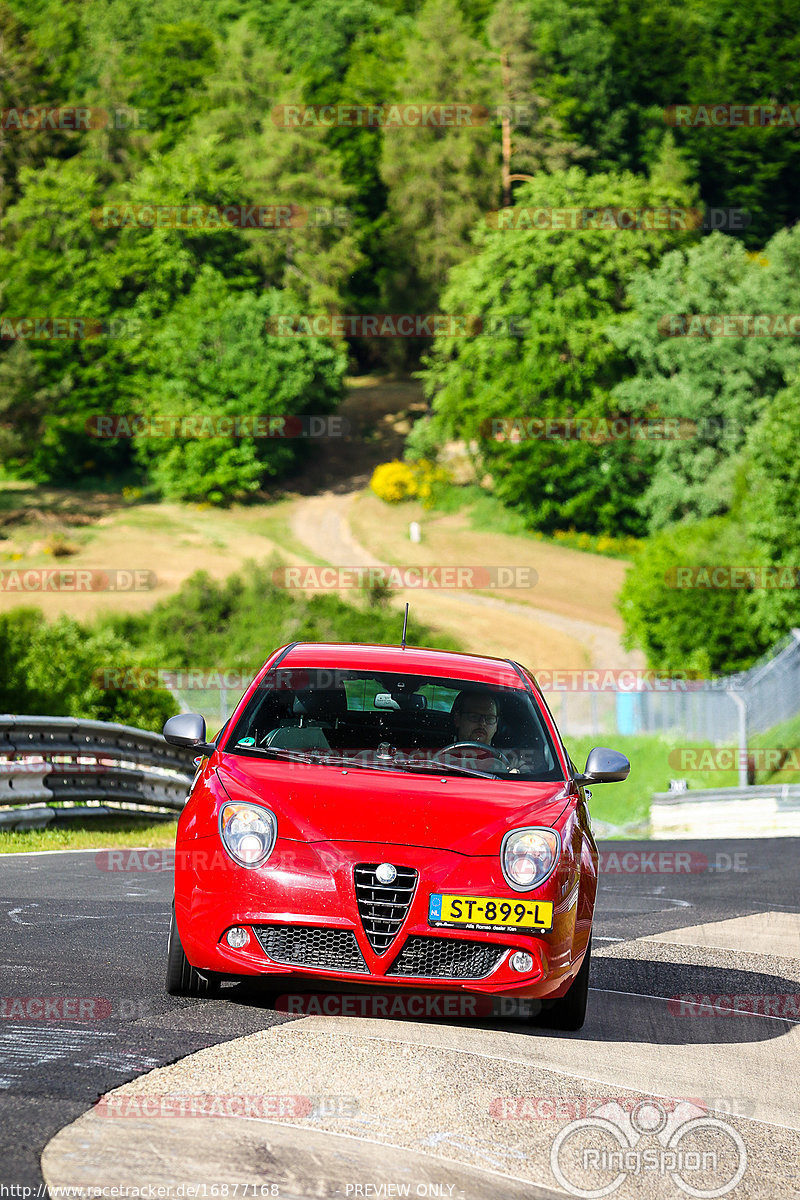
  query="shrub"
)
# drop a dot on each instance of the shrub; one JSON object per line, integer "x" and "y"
{"x": 397, "y": 481}
{"x": 394, "y": 482}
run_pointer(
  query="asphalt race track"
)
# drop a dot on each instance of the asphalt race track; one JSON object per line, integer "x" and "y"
{"x": 470, "y": 1105}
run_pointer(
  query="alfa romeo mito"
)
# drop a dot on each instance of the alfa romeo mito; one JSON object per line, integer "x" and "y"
{"x": 392, "y": 816}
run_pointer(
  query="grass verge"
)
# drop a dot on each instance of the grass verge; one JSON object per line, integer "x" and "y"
{"x": 100, "y": 833}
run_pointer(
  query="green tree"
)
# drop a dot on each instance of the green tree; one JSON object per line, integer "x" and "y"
{"x": 710, "y": 630}
{"x": 52, "y": 264}
{"x": 240, "y": 138}
{"x": 58, "y": 670}
{"x": 25, "y": 81}
{"x": 214, "y": 357}
{"x": 720, "y": 384}
{"x": 171, "y": 67}
{"x": 770, "y": 507}
{"x": 755, "y": 61}
{"x": 532, "y": 136}
{"x": 440, "y": 179}
{"x": 561, "y": 290}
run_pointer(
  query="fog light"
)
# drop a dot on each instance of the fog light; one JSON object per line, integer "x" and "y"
{"x": 237, "y": 937}
{"x": 522, "y": 962}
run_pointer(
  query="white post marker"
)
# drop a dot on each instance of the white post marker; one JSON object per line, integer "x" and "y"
{"x": 415, "y": 531}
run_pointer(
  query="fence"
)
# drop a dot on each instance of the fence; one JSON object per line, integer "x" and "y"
{"x": 47, "y": 760}
{"x": 728, "y": 709}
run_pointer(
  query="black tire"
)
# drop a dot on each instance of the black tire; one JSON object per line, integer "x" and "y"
{"x": 569, "y": 1012}
{"x": 182, "y": 978}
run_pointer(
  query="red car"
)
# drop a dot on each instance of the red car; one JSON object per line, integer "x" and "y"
{"x": 394, "y": 816}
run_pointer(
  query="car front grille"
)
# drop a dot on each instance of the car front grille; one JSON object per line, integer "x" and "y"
{"x": 305, "y": 946}
{"x": 383, "y": 906}
{"x": 446, "y": 958}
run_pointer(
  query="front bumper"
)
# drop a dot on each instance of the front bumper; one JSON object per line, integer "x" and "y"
{"x": 302, "y": 914}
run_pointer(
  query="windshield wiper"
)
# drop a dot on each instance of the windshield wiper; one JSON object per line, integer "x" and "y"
{"x": 277, "y": 752}
{"x": 402, "y": 764}
{"x": 319, "y": 757}
{"x": 438, "y": 769}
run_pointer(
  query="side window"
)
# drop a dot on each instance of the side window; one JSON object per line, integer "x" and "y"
{"x": 439, "y": 699}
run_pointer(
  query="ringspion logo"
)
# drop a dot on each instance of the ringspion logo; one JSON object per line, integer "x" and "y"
{"x": 593, "y": 1156}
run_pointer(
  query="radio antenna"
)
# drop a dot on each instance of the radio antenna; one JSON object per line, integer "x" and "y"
{"x": 405, "y": 627}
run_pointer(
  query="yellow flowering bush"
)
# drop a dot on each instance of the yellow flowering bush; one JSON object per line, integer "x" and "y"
{"x": 604, "y": 543}
{"x": 397, "y": 481}
{"x": 394, "y": 481}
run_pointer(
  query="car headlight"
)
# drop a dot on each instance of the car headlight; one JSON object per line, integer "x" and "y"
{"x": 248, "y": 832}
{"x": 527, "y": 857}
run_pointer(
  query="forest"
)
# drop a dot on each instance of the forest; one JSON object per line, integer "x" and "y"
{"x": 588, "y": 187}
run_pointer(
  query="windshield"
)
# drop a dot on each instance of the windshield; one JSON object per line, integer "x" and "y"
{"x": 396, "y": 722}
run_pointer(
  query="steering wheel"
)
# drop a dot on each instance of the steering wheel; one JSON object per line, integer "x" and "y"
{"x": 495, "y": 753}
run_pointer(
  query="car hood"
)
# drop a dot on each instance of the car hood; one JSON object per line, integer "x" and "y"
{"x": 329, "y": 804}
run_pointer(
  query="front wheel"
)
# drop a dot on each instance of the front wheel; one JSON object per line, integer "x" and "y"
{"x": 569, "y": 1012}
{"x": 182, "y": 978}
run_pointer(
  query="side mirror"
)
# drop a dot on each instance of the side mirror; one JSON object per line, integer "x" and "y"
{"x": 189, "y": 731}
{"x": 603, "y": 766}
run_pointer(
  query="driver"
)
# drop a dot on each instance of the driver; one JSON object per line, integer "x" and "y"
{"x": 475, "y": 717}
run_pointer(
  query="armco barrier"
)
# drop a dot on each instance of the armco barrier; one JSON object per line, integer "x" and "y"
{"x": 47, "y": 759}
{"x": 768, "y": 810}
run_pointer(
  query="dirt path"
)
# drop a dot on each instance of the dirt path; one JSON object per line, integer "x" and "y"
{"x": 541, "y": 638}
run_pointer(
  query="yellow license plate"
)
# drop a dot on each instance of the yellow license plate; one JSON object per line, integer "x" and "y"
{"x": 490, "y": 912}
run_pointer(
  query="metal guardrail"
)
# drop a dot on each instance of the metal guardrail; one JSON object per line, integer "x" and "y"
{"x": 789, "y": 792}
{"x": 62, "y": 759}
{"x": 767, "y": 810}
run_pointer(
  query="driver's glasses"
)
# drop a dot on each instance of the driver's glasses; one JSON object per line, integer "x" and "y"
{"x": 477, "y": 718}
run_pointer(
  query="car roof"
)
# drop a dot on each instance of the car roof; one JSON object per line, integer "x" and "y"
{"x": 414, "y": 660}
